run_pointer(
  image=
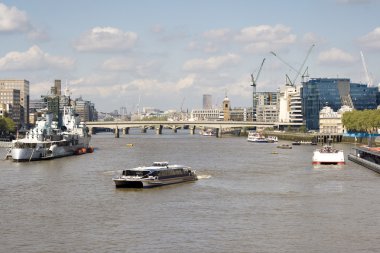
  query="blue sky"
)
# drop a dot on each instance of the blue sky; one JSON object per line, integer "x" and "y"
{"x": 168, "y": 53}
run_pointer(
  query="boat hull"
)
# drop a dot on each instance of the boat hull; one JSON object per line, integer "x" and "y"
{"x": 123, "y": 182}
{"x": 336, "y": 158}
{"x": 40, "y": 153}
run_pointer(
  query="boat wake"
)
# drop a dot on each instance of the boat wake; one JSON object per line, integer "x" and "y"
{"x": 111, "y": 172}
{"x": 204, "y": 176}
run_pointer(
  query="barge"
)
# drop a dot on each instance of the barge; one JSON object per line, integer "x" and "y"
{"x": 368, "y": 157}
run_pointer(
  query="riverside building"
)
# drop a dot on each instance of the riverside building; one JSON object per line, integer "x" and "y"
{"x": 290, "y": 105}
{"x": 10, "y": 105}
{"x": 335, "y": 93}
{"x": 266, "y": 106}
{"x": 23, "y": 87}
{"x": 330, "y": 122}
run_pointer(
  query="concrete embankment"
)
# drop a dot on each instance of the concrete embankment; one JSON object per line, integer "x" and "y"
{"x": 294, "y": 136}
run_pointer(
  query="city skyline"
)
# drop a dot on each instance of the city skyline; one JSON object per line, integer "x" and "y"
{"x": 167, "y": 54}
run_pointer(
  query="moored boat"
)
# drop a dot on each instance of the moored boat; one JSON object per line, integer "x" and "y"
{"x": 158, "y": 174}
{"x": 208, "y": 132}
{"x": 47, "y": 141}
{"x": 328, "y": 155}
{"x": 257, "y": 137}
{"x": 285, "y": 146}
{"x": 368, "y": 157}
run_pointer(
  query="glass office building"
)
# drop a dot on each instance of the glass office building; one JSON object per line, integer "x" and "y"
{"x": 334, "y": 92}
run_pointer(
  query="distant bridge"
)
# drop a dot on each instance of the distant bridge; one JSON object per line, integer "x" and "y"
{"x": 191, "y": 125}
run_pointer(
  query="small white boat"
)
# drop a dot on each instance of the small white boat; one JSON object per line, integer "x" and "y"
{"x": 272, "y": 139}
{"x": 158, "y": 174}
{"x": 328, "y": 155}
{"x": 208, "y": 132}
{"x": 258, "y": 137}
{"x": 284, "y": 146}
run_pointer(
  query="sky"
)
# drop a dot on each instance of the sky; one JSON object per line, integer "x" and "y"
{"x": 166, "y": 54}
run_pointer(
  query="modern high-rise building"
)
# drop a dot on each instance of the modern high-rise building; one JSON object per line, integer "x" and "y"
{"x": 57, "y": 85}
{"x": 207, "y": 102}
{"x": 266, "y": 106}
{"x": 290, "y": 104}
{"x": 335, "y": 93}
{"x": 23, "y": 87}
{"x": 10, "y": 101}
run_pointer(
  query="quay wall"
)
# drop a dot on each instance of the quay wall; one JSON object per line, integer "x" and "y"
{"x": 295, "y": 136}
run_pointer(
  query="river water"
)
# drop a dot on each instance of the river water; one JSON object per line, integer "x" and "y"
{"x": 250, "y": 197}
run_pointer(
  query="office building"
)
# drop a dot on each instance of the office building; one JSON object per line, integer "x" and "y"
{"x": 266, "y": 106}
{"x": 207, "y": 115}
{"x": 335, "y": 93}
{"x": 207, "y": 102}
{"x": 290, "y": 105}
{"x": 10, "y": 104}
{"x": 23, "y": 87}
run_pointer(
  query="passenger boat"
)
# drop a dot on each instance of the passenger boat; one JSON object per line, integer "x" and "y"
{"x": 256, "y": 137}
{"x": 47, "y": 141}
{"x": 208, "y": 132}
{"x": 328, "y": 155}
{"x": 368, "y": 157}
{"x": 272, "y": 139}
{"x": 158, "y": 174}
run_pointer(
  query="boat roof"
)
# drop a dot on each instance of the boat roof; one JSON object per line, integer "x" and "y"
{"x": 26, "y": 140}
{"x": 371, "y": 150}
{"x": 156, "y": 166}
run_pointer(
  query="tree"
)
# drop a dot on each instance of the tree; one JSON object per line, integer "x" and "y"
{"x": 7, "y": 125}
{"x": 367, "y": 121}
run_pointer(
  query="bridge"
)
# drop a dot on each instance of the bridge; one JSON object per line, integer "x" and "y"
{"x": 125, "y": 126}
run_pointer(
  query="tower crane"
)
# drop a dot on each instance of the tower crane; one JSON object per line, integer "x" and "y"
{"x": 254, "y": 80}
{"x": 369, "y": 81}
{"x": 298, "y": 72}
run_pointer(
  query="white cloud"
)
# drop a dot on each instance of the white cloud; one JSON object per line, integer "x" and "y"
{"x": 134, "y": 66}
{"x": 312, "y": 38}
{"x": 217, "y": 34}
{"x": 106, "y": 39}
{"x": 212, "y": 63}
{"x": 264, "y": 38}
{"x": 34, "y": 59}
{"x": 13, "y": 20}
{"x": 278, "y": 33}
{"x": 185, "y": 82}
{"x": 371, "y": 40}
{"x": 335, "y": 56}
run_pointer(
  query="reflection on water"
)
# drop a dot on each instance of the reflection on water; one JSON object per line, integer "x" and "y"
{"x": 247, "y": 199}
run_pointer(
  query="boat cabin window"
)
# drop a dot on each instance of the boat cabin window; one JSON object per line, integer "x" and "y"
{"x": 135, "y": 173}
{"x": 174, "y": 172}
{"x": 160, "y": 164}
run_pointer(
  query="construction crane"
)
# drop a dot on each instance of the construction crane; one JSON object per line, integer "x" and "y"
{"x": 369, "y": 81}
{"x": 254, "y": 80}
{"x": 183, "y": 100}
{"x": 298, "y": 72}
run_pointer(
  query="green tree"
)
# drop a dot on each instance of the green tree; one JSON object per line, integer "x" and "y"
{"x": 7, "y": 125}
{"x": 367, "y": 121}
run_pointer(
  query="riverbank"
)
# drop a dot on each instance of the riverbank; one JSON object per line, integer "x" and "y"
{"x": 295, "y": 136}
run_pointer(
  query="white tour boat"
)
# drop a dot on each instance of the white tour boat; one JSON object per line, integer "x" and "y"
{"x": 328, "y": 155}
{"x": 158, "y": 174}
{"x": 258, "y": 137}
{"x": 47, "y": 141}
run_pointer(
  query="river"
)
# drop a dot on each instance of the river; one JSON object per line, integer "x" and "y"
{"x": 250, "y": 197}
